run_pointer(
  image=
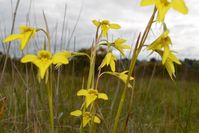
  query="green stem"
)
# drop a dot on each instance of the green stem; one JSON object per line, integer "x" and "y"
{"x": 49, "y": 84}
{"x": 81, "y": 126}
{"x": 50, "y": 100}
{"x": 91, "y": 76}
{"x": 138, "y": 47}
{"x": 92, "y": 60}
{"x": 48, "y": 37}
{"x": 93, "y": 107}
{"x": 93, "y": 112}
{"x": 91, "y": 72}
{"x": 135, "y": 55}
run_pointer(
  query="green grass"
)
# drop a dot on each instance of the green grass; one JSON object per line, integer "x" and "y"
{"x": 159, "y": 105}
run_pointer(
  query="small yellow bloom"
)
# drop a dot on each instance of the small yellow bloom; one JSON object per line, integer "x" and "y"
{"x": 44, "y": 59}
{"x": 87, "y": 117}
{"x": 162, "y": 42}
{"x": 24, "y": 36}
{"x": 169, "y": 63}
{"x": 91, "y": 95}
{"x": 164, "y": 5}
{"x": 105, "y": 26}
{"x": 109, "y": 60}
{"x": 122, "y": 76}
{"x": 119, "y": 44}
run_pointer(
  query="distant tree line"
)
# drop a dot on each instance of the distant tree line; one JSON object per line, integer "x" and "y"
{"x": 79, "y": 65}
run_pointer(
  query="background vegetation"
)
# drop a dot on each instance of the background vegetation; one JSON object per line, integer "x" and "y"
{"x": 159, "y": 104}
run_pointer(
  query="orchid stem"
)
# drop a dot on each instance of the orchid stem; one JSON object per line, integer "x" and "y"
{"x": 49, "y": 84}
{"x": 137, "y": 50}
{"x": 50, "y": 100}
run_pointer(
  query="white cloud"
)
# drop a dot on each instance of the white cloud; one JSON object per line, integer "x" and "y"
{"x": 128, "y": 13}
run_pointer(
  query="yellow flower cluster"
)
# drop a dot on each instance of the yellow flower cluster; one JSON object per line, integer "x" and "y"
{"x": 110, "y": 58}
{"x": 90, "y": 96}
{"x": 162, "y": 44}
{"x": 164, "y": 5}
{"x": 44, "y": 58}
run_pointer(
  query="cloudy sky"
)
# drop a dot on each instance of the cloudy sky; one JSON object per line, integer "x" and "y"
{"x": 184, "y": 29}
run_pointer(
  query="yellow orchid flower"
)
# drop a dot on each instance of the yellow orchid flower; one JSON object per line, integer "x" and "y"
{"x": 91, "y": 95}
{"x": 44, "y": 59}
{"x": 109, "y": 60}
{"x": 24, "y": 36}
{"x": 87, "y": 117}
{"x": 169, "y": 63}
{"x": 120, "y": 46}
{"x": 122, "y": 76}
{"x": 162, "y": 42}
{"x": 164, "y": 5}
{"x": 105, "y": 26}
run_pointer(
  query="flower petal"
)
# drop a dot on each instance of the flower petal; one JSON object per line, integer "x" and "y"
{"x": 120, "y": 41}
{"x": 112, "y": 64}
{"x": 86, "y": 119}
{"x": 12, "y": 37}
{"x": 166, "y": 53}
{"x": 29, "y": 58}
{"x": 43, "y": 66}
{"x": 103, "y": 64}
{"x": 155, "y": 44}
{"x": 97, "y": 119}
{"x": 89, "y": 99}
{"x": 114, "y": 26}
{"x": 96, "y": 23}
{"x": 25, "y": 39}
{"x": 82, "y": 92}
{"x": 108, "y": 58}
{"x": 76, "y": 113}
{"x": 61, "y": 57}
{"x": 170, "y": 68}
{"x": 174, "y": 59}
{"x": 147, "y": 2}
{"x": 180, "y": 6}
{"x": 25, "y": 28}
{"x": 105, "y": 29}
{"x": 102, "y": 96}
{"x": 162, "y": 10}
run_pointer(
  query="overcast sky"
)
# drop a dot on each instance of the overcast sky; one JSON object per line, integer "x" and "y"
{"x": 184, "y": 29}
